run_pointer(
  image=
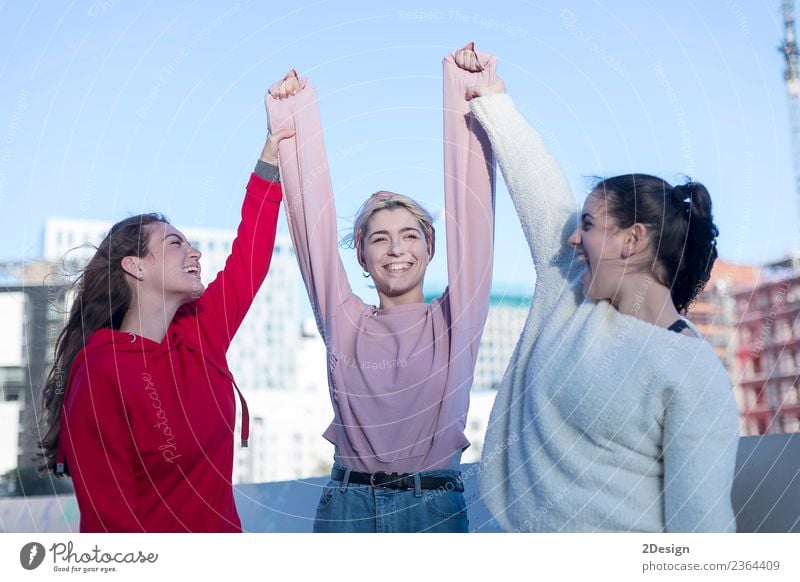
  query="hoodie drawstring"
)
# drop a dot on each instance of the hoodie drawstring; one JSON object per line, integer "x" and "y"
{"x": 245, "y": 417}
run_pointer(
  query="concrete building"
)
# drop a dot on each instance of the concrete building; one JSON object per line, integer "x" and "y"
{"x": 504, "y": 323}
{"x": 768, "y": 353}
{"x": 714, "y": 311}
{"x": 33, "y": 300}
{"x": 287, "y": 425}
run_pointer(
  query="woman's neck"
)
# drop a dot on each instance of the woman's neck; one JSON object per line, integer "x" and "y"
{"x": 643, "y": 297}
{"x": 149, "y": 319}
{"x": 414, "y": 296}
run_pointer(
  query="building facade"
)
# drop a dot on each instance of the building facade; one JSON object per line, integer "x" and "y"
{"x": 33, "y": 306}
{"x": 768, "y": 354}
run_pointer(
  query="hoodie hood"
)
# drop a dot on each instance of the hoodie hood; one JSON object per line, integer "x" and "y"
{"x": 114, "y": 342}
{"x": 124, "y": 341}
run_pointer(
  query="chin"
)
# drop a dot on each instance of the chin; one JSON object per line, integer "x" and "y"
{"x": 195, "y": 293}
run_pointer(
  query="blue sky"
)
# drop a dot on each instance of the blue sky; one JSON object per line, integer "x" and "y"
{"x": 110, "y": 108}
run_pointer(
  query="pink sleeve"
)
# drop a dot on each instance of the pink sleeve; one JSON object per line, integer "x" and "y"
{"x": 100, "y": 453}
{"x": 310, "y": 208}
{"x": 469, "y": 201}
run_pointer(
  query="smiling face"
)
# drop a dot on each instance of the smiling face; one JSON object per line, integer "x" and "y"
{"x": 602, "y": 244}
{"x": 171, "y": 270}
{"x": 395, "y": 254}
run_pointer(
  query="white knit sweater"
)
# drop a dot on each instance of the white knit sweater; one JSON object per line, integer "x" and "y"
{"x": 603, "y": 422}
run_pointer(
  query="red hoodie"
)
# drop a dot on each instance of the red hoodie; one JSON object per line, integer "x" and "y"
{"x": 147, "y": 428}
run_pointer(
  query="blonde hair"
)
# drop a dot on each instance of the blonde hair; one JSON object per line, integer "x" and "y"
{"x": 384, "y": 200}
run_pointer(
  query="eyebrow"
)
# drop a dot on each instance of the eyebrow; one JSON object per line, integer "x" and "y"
{"x": 179, "y": 237}
{"x": 404, "y": 229}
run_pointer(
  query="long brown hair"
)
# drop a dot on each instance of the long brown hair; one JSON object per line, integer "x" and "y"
{"x": 102, "y": 298}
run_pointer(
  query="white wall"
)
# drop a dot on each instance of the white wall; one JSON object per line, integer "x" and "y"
{"x": 12, "y": 316}
{"x": 9, "y": 435}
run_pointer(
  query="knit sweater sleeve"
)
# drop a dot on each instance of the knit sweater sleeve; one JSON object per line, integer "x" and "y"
{"x": 100, "y": 451}
{"x": 310, "y": 209}
{"x": 469, "y": 202}
{"x": 539, "y": 190}
{"x": 701, "y": 435}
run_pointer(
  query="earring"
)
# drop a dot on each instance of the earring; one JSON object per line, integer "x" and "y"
{"x": 365, "y": 275}
{"x": 140, "y": 276}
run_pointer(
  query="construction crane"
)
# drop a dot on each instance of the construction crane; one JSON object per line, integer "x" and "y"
{"x": 792, "y": 78}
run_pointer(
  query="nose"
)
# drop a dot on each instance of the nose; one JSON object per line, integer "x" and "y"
{"x": 395, "y": 248}
{"x": 575, "y": 238}
{"x": 195, "y": 253}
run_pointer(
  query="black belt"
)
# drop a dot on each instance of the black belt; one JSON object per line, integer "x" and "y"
{"x": 399, "y": 480}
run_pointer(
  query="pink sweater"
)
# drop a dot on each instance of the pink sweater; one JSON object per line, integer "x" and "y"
{"x": 399, "y": 377}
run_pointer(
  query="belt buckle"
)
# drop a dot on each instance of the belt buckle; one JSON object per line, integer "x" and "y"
{"x": 372, "y": 479}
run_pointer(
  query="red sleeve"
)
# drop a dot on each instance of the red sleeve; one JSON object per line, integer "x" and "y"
{"x": 224, "y": 304}
{"x": 100, "y": 453}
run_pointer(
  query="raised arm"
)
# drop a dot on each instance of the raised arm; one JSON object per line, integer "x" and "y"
{"x": 223, "y": 306}
{"x": 537, "y": 185}
{"x": 310, "y": 209}
{"x": 469, "y": 192}
{"x": 701, "y": 436}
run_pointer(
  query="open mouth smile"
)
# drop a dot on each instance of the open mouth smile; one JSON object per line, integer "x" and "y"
{"x": 398, "y": 267}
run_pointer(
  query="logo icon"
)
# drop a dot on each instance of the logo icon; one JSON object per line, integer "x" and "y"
{"x": 31, "y": 555}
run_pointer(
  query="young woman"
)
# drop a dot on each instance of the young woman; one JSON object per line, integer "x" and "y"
{"x": 140, "y": 408}
{"x": 399, "y": 372}
{"x": 614, "y": 415}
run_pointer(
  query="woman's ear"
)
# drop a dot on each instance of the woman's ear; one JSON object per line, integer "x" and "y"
{"x": 132, "y": 267}
{"x": 636, "y": 241}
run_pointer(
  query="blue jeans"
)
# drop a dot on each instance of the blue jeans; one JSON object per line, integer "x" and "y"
{"x": 354, "y": 508}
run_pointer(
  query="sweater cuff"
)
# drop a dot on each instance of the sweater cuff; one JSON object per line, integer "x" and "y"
{"x": 264, "y": 189}
{"x": 267, "y": 171}
{"x": 480, "y": 104}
